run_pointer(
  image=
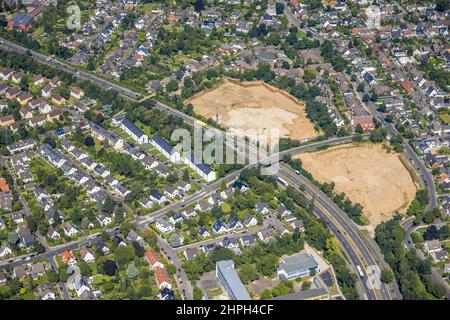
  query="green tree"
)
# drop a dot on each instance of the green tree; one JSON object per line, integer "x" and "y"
{"x": 386, "y": 276}
{"x": 431, "y": 233}
{"x": 39, "y": 248}
{"x": 89, "y": 142}
{"x": 267, "y": 264}
{"x": 248, "y": 273}
{"x": 172, "y": 86}
{"x": 13, "y": 238}
{"x": 306, "y": 285}
{"x": 444, "y": 232}
{"x": 199, "y": 5}
{"x": 85, "y": 269}
{"x": 62, "y": 272}
{"x": 52, "y": 276}
{"x": 198, "y": 293}
{"x": 279, "y": 7}
{"x": 359, "y": 129}
{"x": 132, "y": 272}
{"x": 124, "y": 254}
{"x": 282, "y": 289}
{"x": 145, "y": 291}
{"x": 171, "y": 269}
{"x": 266, "y": 294}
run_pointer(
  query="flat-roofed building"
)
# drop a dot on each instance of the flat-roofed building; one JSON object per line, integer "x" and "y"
{"x": 230, "y": 281}
{"x": 298, "y": 265}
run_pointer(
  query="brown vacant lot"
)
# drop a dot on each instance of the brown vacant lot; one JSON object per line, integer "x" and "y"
{"x": 254, "y": 106}
{"x": 368, "y": 175}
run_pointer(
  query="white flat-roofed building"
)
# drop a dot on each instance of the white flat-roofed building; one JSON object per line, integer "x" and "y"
{"x": 229, "y": 280}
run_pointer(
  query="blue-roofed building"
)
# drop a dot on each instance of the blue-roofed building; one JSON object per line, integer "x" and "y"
{"x": 230, "y": 243}
{"x": 230, "y": 281}
{"x": 21, "y": 21}
{"x": 234, "y": 223}
{"x": 167, "y": 294}
{"x": 176, "y": 218}
{"x": 133, "y": 131}
{"x": 158, "y": 197}
{"x": 240, "y": 186}
{"x": 208, "y": 24}
{"x": 202, "y": 232}
{"x": 367, "y": 77}
{"x": 209, "y": 247}
{"x": 219, "y": 227}
{"x": 249, "y": 240}
{"x": 60, "y": 132}
{"x": 165, "y": 148}
{"x": 199, "y": 167}
{"x": 396, "y": 34}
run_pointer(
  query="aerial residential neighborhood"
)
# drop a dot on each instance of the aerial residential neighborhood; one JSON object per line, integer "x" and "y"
{"x": 225, "y": 150}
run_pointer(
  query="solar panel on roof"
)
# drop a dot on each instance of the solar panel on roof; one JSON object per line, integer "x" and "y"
{"x": 327, "y": 279}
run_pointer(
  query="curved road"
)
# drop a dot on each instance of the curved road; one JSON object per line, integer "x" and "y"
{"x": 134, "y": 96}
{"x": 351, "y": 233}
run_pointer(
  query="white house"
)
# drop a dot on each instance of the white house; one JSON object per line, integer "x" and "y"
{"x": 262, "y": 207}
{"x": 104, "y": 220}
{"x": 250, "y": 221}
{"x": 133, "y": 131}
{"x": 163, "y": 226}
{"x": 166, "y": 149}
{"x": 219, "y": 227}
{"x": 69, "y": 230}
{"x": 46, "y": 291}
{"x": 146, "y": 203}
{"x": 52, "y": 234}
{"x": 171, "y": 192}
{"x": 177, "y": 218}
{"x": 184, "y": 186}
{"x": 202, "y": 232}
{"x": 158, "y": 197}
{"x": 189, "y": 213}
{"x": 199, "y": 167}
{"x": 87, "y": 255}
{"x": 5, "y": 250}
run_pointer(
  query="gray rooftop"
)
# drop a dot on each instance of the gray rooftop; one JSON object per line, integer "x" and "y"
{"x": 226, "y": 268}
{"x": 298, "y": 261}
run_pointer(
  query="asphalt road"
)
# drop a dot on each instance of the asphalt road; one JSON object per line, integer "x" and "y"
{"x": 181, "y": 278}
{"x": 409, "y": 227}
{"x": 53, "y": 251}
{"x": 350, "y": 233}
{"x": 418, "y": 164}
{"x": 413, "y": 158}
{"x": 5, "y": 44}
{"x": 131, "y": 95}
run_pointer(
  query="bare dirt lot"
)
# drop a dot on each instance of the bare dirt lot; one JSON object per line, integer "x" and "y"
{"x": 254, "y": 106}
{"x": 368, "y": 175}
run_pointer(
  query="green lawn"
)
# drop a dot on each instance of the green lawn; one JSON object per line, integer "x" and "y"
{"x": 445, "y": 118}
